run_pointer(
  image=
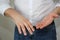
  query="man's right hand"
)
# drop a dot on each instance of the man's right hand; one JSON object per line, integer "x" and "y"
{"x": 21, "y": 22}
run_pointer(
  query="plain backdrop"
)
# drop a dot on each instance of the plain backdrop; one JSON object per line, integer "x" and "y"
{"x": 7, "y": 27}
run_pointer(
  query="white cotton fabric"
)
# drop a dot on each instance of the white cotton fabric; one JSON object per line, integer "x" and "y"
{"x": 33, "y": 10}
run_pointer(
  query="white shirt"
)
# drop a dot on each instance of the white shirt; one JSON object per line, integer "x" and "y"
{"x": 33, "y": 10}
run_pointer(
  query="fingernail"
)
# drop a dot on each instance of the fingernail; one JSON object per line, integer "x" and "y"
{"x": 20, "y": 33}
{"x": 31, "y": 33}
{"x": 25, "y": 34}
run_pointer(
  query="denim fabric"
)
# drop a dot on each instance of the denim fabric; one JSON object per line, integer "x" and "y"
{"x": 47, "y": 33}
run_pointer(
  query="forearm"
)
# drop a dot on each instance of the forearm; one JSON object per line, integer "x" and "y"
{"x": 11, "y": 13}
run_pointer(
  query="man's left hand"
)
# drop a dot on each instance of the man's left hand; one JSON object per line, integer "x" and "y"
{"x": 46, "y": 20}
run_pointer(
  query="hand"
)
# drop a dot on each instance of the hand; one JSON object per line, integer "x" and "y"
{"x": 46, "y": 20}
{"x": 21, "y": 22}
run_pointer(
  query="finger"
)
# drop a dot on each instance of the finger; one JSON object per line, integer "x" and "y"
{"x": 45, "y": 23}
{"x": 38, "y": 25}
{"x": 30, "y": 25}
{"x": 42, "y": 25}
{"x": 23, "y": 29}
{"x": 19, "y": 29}
{"x": 28, "y": 28}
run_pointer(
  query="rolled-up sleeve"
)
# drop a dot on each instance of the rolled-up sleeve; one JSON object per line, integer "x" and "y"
{"x": 58, "y": 3}
{"x": 4, "y": 5}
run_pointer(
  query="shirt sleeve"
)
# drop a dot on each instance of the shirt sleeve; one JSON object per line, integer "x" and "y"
{"x": 58, "y": 3}
{"x": 4, "y": 5}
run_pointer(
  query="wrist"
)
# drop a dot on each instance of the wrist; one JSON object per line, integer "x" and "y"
{"x": 55, "y": 13}
{"x": 57, "y": 10}
{"x": 12, "y": 13}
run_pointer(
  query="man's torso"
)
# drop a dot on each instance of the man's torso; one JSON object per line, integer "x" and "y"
{"x": 34, "y": 10}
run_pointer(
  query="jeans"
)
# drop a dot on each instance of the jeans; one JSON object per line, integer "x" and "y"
{"x": 47, "y": 33}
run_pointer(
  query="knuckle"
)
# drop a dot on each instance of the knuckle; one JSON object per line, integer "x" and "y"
{"x": 28, "y": 29}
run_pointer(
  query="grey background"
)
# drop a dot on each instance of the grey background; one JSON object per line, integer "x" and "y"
{"x": 7, "y": 27}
